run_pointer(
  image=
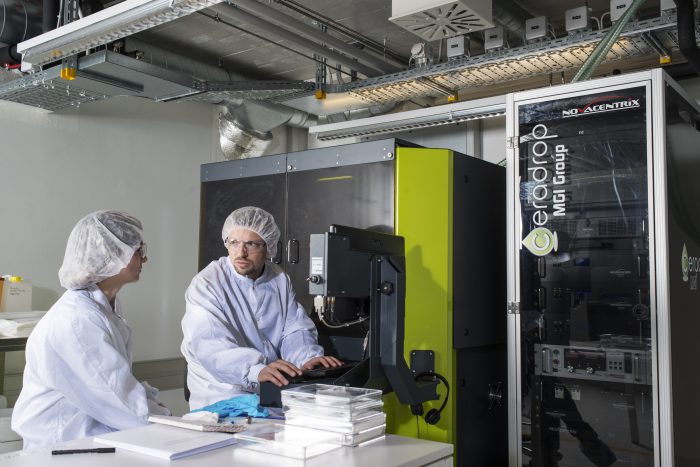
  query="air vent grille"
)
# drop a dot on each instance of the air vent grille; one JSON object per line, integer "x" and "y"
{"x": 433, "y": 21}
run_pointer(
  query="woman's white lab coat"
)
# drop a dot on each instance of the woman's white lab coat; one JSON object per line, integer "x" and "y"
{"x": 78, "y": 380}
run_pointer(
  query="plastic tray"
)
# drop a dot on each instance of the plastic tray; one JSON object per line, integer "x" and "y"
{"x": 340, "y": 414}
{"x": 332, "y": 396}
{"x": 289, "y": 441}
{"x": 353, "y": 439}
{"x": 338, "y": 426}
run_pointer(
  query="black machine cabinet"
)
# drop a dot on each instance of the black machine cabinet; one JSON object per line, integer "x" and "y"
{"x": 223, "y": 197}
{"x": 603, "y": 296}
{"x": 306, "y": 192}
{"x": 355, "y": 186}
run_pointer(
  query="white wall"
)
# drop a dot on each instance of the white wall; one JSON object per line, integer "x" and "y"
{"x": 123, "y": 153}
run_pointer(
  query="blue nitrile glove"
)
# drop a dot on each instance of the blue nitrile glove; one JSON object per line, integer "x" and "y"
{"x": 248, "y": 404}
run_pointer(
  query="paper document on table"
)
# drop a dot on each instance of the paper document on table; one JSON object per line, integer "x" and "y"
{"x": 19, "y": 323}
{"x": 166, "y": 442}
{"x": 196, "y": 424}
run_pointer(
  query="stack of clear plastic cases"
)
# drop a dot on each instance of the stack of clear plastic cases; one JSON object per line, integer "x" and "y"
{"x": 355, "y": 415}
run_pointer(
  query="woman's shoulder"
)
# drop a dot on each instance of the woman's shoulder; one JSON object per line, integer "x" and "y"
{"x": 78, "y": 305}
{"x": 74, "y": 311}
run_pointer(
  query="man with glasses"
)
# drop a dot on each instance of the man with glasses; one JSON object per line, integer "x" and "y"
{"x": 242, "y": 324}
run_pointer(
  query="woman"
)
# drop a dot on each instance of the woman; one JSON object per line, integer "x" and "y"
{"x": 78, "y": 380}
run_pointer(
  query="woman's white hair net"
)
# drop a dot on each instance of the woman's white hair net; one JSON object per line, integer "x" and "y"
{"x": 259, "y": 221}
{"x": 100, "y": 245}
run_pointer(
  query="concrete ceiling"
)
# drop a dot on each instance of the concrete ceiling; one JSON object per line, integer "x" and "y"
{"x": 257, "y": 53}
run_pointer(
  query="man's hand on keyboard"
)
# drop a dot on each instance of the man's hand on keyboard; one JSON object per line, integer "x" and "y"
{"x": 275, "y": 372}
{"x": 327, "y": 362}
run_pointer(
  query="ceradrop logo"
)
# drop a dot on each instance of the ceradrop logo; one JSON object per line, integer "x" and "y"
{"x": 685, "y": 263}
{"x": 541, "y": 241}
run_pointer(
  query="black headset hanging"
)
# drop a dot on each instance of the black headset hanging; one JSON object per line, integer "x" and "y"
{"x": 433, "y": 415}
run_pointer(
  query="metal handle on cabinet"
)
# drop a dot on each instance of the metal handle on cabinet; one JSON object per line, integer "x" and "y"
{"x": 278, "y": 256}
{"x": 635, "y": 367}
{"x": 641, "y": 266}
{"x": 546, "y": 360}
{"x": 293, "y": 251}
{"x": 541, "y": 294}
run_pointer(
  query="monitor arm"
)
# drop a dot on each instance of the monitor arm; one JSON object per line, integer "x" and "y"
{"x": 356, "y": 263}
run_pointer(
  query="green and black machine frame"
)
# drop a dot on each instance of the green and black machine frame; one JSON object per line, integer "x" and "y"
{"x": 352, "y": 264}
{"x": 450, "y": 210}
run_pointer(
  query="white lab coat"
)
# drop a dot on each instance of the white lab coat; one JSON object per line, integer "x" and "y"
{"x": 78, "y": 380}
{"x": 234, "y": 326}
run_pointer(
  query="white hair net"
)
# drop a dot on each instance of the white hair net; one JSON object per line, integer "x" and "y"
{"x": 100, "y": 245}
{"x": 259, "y": 221}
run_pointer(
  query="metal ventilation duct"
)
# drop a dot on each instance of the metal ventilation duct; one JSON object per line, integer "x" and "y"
{"x": 432, "y": 20}
{"x": 19, "y": 20}
{"x": 100, "y": 75}
{"x": 120, "y": 20}
{"x": 245, "y": 126}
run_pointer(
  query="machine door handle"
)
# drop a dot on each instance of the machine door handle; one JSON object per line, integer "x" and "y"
{"x": 641, "y": 266}
{"x": 546, "y": 360}
{"x": 636, "y": 370}
{"x": 278, "y": 256}
{"x": 293, "y": 251}
{"x": 541, "y": 297}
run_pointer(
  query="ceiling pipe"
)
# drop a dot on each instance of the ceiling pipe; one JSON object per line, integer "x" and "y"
{"x": 171, "y": 60}
{"x": 49, "y": 15}
{"x": 601, "y": 50}
{"x": 378, "y": 48}
{"x": 291, "y": 24}
{"x": 357, "y": 113}
{"x": 233, "y": 13}
{"x": 19, "y": 20}
{"x": 503, "y": 16}
{"x": 685, "y": 14}
{"x": 9, "y": 55}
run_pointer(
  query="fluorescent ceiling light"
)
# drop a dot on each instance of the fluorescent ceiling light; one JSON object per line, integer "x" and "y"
{"x": 121, "y": 20}
{"x": 414, "y": 119}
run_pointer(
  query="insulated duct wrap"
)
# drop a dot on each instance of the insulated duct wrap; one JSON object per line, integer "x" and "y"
{"x": 245, "y": 126}
{"x": 240, "y": 143}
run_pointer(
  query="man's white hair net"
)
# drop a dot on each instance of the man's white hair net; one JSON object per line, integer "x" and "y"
{"x": 259, "y": 221}
{"x": 100, "y": 245}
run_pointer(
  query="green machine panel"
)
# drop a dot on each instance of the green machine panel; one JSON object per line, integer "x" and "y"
{"x": 450, "y": 208}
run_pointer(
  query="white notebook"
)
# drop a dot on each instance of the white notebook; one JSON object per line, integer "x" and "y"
{"x": 166, "y": 442}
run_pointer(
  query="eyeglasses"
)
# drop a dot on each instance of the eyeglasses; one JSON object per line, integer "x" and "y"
{"x": 142, "y": 250}
{"x": 250, "y": 245}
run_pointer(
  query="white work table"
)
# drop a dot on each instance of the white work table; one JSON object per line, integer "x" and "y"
{"x": 391, "y": 451}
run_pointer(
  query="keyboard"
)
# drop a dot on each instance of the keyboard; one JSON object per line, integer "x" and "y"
{"x": 323, "y": 372}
